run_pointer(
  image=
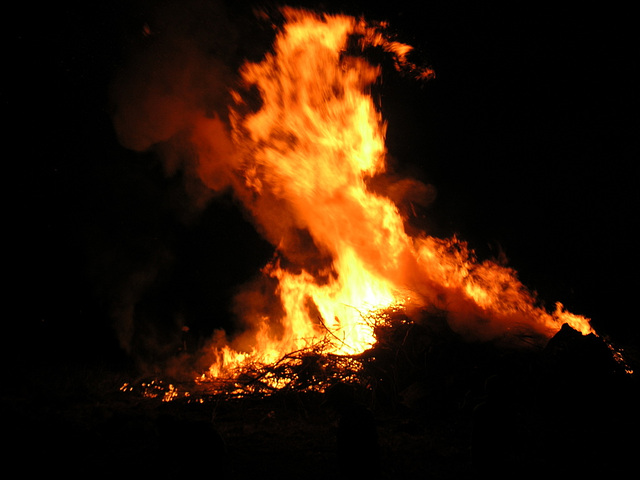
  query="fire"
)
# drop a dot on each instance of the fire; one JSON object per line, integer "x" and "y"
{"x": 303, "y": 162}
{"x": 303, "y": 149}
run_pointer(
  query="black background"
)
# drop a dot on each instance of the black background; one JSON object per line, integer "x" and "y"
{"x": 528, "y": 134}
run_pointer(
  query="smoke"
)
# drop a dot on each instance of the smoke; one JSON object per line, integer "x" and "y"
{"x": 172, "y": 92}
{"x": 169, "y": 98}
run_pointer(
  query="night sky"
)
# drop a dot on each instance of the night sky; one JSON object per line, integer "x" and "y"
{"x": 528, "y": 135}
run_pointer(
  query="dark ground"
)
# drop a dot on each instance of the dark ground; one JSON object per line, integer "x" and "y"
{"x": 441, "y": 408}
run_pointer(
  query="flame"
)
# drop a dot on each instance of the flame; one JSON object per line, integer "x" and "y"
{"x": 304, "y": 161}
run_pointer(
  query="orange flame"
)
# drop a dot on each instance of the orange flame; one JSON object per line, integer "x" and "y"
{"x": 304, "y": 160}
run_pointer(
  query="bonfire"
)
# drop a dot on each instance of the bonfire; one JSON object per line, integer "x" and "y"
{"x": 302, "y": 148}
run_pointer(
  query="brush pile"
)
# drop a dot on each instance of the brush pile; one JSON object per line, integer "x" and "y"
{"x": 502, "y": 406}
{"x": 413, "y": 362}
{"x": 442, "y": 408}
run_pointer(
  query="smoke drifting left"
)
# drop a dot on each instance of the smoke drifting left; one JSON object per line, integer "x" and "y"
{"x": 169, "y": 99}
{"x": 172, "y": 92}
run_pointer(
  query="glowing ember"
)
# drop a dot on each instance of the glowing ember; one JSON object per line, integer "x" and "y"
{"x": 155, "y": 389}
{"x": 302, "y": 164}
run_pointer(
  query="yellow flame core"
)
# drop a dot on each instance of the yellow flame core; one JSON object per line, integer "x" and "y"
{"x": 312, "y": 145}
